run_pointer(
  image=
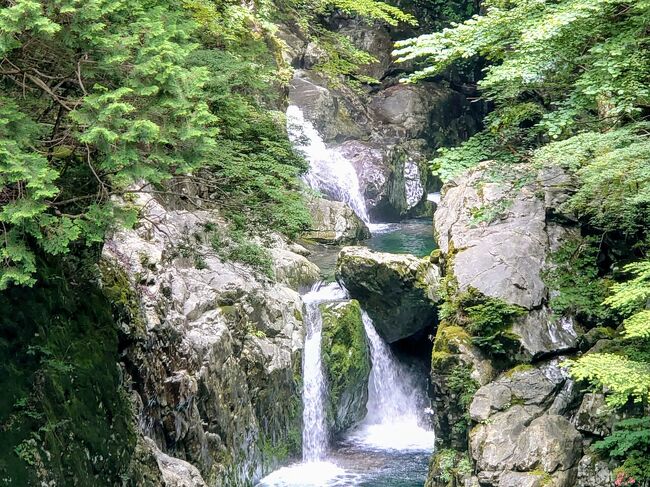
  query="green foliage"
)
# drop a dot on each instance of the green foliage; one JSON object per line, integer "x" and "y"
{"x": 487, "y": 320}
{"x": 489, "y": 213}
{"x": 88, "y": 116}
{"x": 236, "y": 246}
{"x": 451, "y": 466}
{"x": 623, "y": 377}
{"x": 626, "y": 374}
{"x": 65, "y": 418}
{"x": 613, "y": 176}
{"x": 573, "y": 278}
{"x": 576, "y": 56}
{"x": 462, "y": 387}
{"x": 630, "y": 443}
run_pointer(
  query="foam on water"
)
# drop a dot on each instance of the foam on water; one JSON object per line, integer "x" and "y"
{"x": 396, "y": 406}
{"x": 309, "y": 474}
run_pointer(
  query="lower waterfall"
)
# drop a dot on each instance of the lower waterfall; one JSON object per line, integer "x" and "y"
{"x": 395, "y": 402}
{"x": 388, "y": 446}
{"x": 314, "y": 431}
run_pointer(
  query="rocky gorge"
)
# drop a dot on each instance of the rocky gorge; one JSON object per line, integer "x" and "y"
{"x": 392, "y": 322}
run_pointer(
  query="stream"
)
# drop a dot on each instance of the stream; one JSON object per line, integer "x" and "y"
{"x": 392, "y": 445}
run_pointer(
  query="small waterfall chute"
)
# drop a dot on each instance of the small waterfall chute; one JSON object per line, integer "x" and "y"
{"x": 314, "y": 434}
{"x": 329, "y": 171}
{"x": 395, "y": 403}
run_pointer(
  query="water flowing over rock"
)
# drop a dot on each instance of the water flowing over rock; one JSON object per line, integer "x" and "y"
{"x": 388, "y": 132}
{"x": 212, "y": 349}
{"x": 395, "y": 402}
{"x": 315, "y": 434}
{"x": 329, "y": 172}
{"x": 397, "y": 291}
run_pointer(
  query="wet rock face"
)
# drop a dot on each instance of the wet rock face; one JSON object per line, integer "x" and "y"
{"x": 334, "y": 223}
{"x": 212, "y": 350}
{"x": 346, "y": 362}
{"x": 390, "y": 130}
{"x": 398, "y": 291}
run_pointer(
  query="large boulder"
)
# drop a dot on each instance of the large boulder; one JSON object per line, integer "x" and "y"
{"x": 399, "y": 292}
{"x": 346, "y": 361}
{"x": 519, "y": 436}
{"x": 334, "y": 223}
{"x": 498, "y": 236}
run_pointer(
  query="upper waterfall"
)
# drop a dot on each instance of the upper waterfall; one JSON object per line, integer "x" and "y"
{"x": 329, "y": 172}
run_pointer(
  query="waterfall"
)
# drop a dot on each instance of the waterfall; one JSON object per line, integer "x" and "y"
{"x": 395, "y": 403}
{"x": 314, "y": 433}
{"x": 329, "y": 172}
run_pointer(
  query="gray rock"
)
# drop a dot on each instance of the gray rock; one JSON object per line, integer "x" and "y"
{"x": 373, "y": 39}
{"x": 536, "y": 386}
{"x": 550, "y": 443}
{"x": 399, "y": 292}
{"x": 503, "y": 259}
{"x": 593, "y": 472}
{"x": 212, "y": 349}
{"x": 293, "y": 270}
{"x": 522, "y": 479}
{"x": 334, "y": 223}
{"x": 494, "y": 444}
{"x": 541, "y": 332}
{"x": 176, "y": 472}
{"x": 488, "y": 400}
{"x": 594, "y": 416}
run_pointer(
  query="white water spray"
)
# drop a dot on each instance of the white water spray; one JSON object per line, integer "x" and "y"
{"x": 395, "y": 403}
{"x": 314, "y": 433}
{"x": 329, "y": 172}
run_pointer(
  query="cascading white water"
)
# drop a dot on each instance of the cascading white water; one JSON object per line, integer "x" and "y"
{"x": 390, "y": 428}
{"x": 395, "y": 403}
{"x": 329, "y": 172}
{"x": 314, "y": 433}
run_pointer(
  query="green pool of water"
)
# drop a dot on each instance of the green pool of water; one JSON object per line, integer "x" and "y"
{"x": 408, "y": 237}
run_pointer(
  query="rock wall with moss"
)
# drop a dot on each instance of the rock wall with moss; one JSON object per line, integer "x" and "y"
{"x": 67, "y": 418}
{"x": 346, "y": 362}
{"x": 507, "y": 411}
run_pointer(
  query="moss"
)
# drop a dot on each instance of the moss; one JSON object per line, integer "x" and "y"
{"x": 518, "y": 369}
{"x": 546, "y": 477}
{"x": 346, "y": 357}
{"x": 125, "y": 301}
{"x": 66, "y": 418}
{"x": 449, "y": 467}
{"x": 487, "y": 320}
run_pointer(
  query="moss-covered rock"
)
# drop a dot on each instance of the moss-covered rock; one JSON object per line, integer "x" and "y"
{"x": 346, "y": 360}
{"x": 448, "y": 468}
{"x": 398, "y": 291}
{"x": 66, "y": 419}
